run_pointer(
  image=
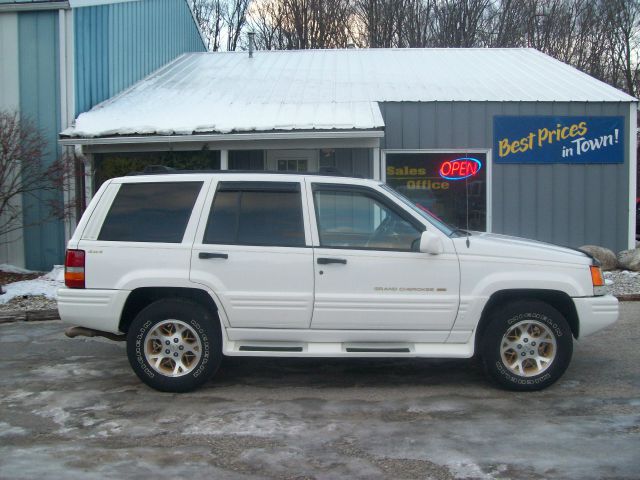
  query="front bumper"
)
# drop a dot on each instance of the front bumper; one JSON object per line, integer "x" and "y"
{"x": 596, "y": 313}
{"x": 92, "y": 308}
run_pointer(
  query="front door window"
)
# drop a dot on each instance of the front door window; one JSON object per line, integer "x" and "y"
{"x": 355, "y": 219}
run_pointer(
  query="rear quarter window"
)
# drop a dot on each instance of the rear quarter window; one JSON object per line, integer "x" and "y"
{"x": 150, "y": 212}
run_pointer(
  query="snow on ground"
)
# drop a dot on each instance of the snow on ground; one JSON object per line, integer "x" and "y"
{"x": 5, "y": 267}
{"x": 46, "y": 285}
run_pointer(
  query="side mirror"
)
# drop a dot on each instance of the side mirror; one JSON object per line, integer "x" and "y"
{"x": 431, "y": 243}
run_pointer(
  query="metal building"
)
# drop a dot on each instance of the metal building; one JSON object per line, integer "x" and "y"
{"x": 60, "y": 58}
{"x": 505, "y": 140}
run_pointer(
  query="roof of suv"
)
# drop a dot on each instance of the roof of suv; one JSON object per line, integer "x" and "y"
{"x": 184, "y": 175}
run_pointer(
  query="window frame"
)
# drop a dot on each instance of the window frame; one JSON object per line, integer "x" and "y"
{"x": 375, "y": 195}
{"x": 256, "y": 186}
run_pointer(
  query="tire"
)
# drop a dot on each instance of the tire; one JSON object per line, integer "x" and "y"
{"x": 527, "y": 346}
{"x": 193, "y": 354}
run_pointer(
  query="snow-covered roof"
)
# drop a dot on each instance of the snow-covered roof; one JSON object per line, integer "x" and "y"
{"x": 328, "y": 89}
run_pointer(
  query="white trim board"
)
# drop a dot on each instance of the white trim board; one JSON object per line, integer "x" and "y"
{"x": 223, "y": 137}
{"x": 633, "y": 172}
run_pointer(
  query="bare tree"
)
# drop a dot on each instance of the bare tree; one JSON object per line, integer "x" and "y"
{"x": 624, "y": 35}
{"x": 235, "y": 17}
{"x": 380, "y": 21}
{"x": 265, "y": 18}
{"x": 460, "y": 23}
{"x": 418, "y": 23}
{"x": 210, "y": 15}
{"x": 24, "y": 173}
{"x": 302, "y": 24}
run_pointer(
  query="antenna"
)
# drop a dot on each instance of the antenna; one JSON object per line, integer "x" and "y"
{"x": 466, "y": 198}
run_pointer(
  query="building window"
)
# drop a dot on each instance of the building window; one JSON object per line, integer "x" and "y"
{"x": 293, "y": 165}
{"x": 110, "y": 165}
{"x": 246, "y": 159}
{"x": 451, "y": 186}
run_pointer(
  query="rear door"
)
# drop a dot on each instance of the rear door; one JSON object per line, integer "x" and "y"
{"x": 253, "y": 249}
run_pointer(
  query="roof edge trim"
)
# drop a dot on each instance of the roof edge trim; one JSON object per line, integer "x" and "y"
{"x": 221, "y": 137}
{"x": 33, "y": 6}
{"x": 94, "y": 3}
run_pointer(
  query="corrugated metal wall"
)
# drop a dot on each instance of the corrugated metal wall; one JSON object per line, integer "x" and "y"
{"x": 118, "y": 44}
{"x": 39, "y": 101}
{"x": 11, "y": 245}
{"x": 562, "y": 204}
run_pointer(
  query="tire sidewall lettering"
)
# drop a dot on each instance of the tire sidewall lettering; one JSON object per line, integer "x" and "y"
{"x": 204, "y": 339}
{"x": 507, "y": 318}
{"x": 540, "y": 317}
{"x": 140, "y": 358}
{"x": 144, "y": 365}
{"x": 521, "y": 380}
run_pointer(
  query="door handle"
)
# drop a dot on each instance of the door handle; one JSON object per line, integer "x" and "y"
{"x": 205, "y": 255}
{"x": 326, "y": 261}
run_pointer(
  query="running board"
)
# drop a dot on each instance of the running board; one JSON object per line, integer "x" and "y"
{"x": 264, "y": 348}
{"x": 377, "y": 350}
{"x": 347, "y": 349}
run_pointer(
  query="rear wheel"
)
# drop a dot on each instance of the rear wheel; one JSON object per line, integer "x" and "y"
{"x": 526, "y": 346}
{"x": 174, "y": 345}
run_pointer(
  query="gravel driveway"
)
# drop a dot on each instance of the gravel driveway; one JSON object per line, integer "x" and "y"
{"x": 73, "y": 409}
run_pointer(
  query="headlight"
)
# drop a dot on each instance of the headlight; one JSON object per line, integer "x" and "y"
{"x": 597, "y": 279}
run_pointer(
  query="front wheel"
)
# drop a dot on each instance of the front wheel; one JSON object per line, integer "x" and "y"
{"x": 174, "y": 345}
{"x": 527, "y": 346}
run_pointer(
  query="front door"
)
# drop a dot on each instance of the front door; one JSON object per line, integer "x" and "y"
{"x": 369, "y": 273}
{"x": 252, "y": 251}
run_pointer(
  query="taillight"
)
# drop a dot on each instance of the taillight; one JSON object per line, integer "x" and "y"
{"x": 74, "y": 269}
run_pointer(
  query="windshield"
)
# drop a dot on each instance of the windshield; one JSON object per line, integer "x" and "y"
{"x": 446, "y": 229}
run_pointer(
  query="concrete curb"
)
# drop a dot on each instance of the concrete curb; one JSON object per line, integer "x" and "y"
{"x": 29, "y": 315}
{"x": 629, "y": 297}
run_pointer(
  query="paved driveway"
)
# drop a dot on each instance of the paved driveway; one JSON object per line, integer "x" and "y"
{"x": 73, "y": 409}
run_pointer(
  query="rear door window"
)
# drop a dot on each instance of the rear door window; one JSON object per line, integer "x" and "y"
{"x": 150, "y": 212}
{"x": 256, "y": 213}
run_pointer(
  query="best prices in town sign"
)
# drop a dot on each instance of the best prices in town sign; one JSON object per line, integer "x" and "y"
{"x": 562, "y": 139}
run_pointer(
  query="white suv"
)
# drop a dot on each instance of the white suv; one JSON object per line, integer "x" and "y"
{"x": 194, "y": 266}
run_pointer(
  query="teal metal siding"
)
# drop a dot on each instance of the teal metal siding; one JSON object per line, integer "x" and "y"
{"x": 118, "y": 44}
{"x": 40, "y": 101}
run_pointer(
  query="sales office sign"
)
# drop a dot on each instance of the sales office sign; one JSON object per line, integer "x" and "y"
{"x": 558, "y": 139}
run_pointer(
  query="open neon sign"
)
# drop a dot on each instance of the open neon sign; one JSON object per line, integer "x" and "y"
{"x": 460, "y": 168}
